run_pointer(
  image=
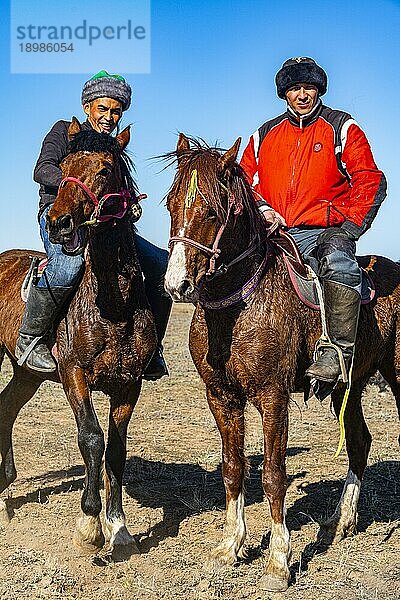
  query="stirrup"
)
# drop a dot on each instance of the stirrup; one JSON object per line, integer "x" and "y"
{"x": 28, "y": 350}
{"x": 326, "y": 343}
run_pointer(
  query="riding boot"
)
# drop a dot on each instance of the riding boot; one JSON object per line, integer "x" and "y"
{"x": 342, "y": 308}
{"x": 160, "y": 305}
{"x": 42, "y": 307}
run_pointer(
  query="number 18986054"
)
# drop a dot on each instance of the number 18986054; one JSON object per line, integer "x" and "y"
{"x": 46, "y": 47}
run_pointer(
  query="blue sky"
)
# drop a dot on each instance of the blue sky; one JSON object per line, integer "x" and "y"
{"x": 212, "y": 74}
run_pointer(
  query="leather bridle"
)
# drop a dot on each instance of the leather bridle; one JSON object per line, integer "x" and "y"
{"x": 96, "y": 217}
{"x": 214, "y": 251}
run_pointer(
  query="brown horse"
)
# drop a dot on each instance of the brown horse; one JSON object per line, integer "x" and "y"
{"x": 254, "y": 342}
{"x": 104, "y": 339}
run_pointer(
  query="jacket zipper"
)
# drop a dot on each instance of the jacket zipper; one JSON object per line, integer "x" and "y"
{"x": 292, "y": 190}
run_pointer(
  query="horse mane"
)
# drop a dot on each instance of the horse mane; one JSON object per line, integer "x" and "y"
{"x": 204, "y": 158}
{"x": 89, "y": 140}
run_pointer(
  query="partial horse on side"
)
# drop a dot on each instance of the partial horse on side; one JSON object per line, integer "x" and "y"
{"x": 254, "y": 342}
{"x": 104, "y": 339}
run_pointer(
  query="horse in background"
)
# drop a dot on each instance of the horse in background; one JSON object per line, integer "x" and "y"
{"x": 252, "y": 339}
{"x": 106, "y": 336}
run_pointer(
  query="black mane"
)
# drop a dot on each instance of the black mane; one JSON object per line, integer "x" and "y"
{"x": 89, "y": 140}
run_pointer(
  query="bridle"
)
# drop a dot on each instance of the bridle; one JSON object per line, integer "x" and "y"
{"x": 214, "y": 251}
{"x": 125, "y": 196}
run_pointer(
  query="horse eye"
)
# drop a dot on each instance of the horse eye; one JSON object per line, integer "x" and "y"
{"x": 211, "y": 214}
{"x": 104, "y": 172}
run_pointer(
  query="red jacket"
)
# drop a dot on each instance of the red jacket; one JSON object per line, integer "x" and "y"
{"x": 316, "y": 171}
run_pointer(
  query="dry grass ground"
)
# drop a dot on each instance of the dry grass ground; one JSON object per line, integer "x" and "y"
{"x": 174, "y": 500}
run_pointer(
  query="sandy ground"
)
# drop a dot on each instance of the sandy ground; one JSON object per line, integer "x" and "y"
{"x": 174, "y": 500}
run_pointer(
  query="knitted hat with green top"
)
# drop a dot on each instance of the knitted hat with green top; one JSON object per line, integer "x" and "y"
{"x": 104, "y": 85}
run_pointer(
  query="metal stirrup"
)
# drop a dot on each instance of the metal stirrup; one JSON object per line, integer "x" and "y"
{"x": 28, "y": 350}
{"x": 325, "y": 341}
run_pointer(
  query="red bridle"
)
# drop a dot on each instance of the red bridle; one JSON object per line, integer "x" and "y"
{"x": 96, "y": 217}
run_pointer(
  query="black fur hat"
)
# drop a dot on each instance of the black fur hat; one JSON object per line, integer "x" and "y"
{"x": 300, "y": 70}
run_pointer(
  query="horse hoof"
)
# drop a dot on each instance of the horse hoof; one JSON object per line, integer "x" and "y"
{"x": 123, "y": 552}
{"x": 273, "y": 583}
{"x": 4, "y": 516}
{"x": 88, "y": 536}
{"x": 333, "y": 532}
{"x": 220, "y": 558}
{"x": 124, "y": 545}
{"x": 121, "y": 543}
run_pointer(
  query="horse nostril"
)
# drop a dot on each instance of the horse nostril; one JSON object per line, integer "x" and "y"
{"x": 184, "y": 287}
{"x": 65, "y": 224}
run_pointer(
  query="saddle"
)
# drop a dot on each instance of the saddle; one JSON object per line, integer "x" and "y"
{"x": 303, "y": 277}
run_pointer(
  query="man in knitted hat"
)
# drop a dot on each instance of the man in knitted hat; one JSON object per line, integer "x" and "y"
{"x": 312, "y": 171}
{"x": 104, "y": 98}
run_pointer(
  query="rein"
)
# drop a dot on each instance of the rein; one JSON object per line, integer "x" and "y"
{"x": 214, "y": 251}
{"x": 241, "y": 294}
{"x": 96, "y": 217}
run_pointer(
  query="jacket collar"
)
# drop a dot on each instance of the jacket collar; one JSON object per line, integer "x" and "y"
{"x": 304, "y": 120}
{"x": 86, "y": 125}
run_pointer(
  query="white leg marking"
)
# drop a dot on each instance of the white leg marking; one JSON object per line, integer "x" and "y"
{"x": 117, "y": 533}
{"x": 350, "y": 495}
{"x": 88, "y": 533}
{"x": 276, "y": 575}
{"x": 231, "y": 547}
{"x": 176, "y": 271}
{"x": 344, "y": 519}
{"x": 4, "y": 516}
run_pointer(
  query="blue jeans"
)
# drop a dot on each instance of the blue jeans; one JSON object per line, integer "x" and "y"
{"x": 333, "y": 261}
{"x": 64, "y": 270}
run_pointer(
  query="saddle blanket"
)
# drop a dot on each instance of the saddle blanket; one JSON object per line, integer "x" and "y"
{"x": 306, "y": 288}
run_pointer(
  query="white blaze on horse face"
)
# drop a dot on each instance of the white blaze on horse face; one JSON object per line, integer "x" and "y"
{"x": 176, "y": 272}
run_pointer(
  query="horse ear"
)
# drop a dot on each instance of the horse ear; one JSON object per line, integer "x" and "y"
{"x": 74, "y": 128}
{"x": 182, "y": 145}
{"x": 226, "y": 160}
{"x": 124, "y": 137}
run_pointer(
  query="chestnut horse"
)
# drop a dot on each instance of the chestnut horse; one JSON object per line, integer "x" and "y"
{"x": 104, "y": 339}
{"x": 254, "y": 342}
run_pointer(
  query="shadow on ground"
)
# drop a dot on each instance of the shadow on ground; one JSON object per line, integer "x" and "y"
{"x": 52, "y": 483}
{"x": 184, "y": 489}
{"x": 379, "y": 503}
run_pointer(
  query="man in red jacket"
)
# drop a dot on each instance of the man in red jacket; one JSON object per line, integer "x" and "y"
{"x": 313, "y": 171}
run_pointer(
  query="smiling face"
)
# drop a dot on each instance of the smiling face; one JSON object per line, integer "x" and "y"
{"x": 103, "y": 114}
{"x": 302, "y": 97}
